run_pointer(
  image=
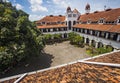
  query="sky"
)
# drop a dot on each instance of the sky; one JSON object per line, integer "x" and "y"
{"x": 37, "y": 9}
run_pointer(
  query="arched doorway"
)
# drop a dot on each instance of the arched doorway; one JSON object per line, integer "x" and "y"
{"x": 69, "y": 25}
{"x": 87, "y": 41}
{"x": 100, "y": 44}
{"x": 93, "y": 43}
{"x": 74, "y": 22}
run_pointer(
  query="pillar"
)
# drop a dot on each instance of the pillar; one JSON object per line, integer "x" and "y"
{"x": 104, "y": 45}
{"x": 86, "y": 31}
{"x": 46, "y": 30}
{"x": 96, "y": 45}
{"x": 85, "y": 40}
{"x": 51, "y": 30}
{"x": 91, "y": 32}
{"x": 90, "y": 42}
{"x": 98, "y": 34}
{"x": 62, "y": 35}
{"x": 57, "y": 29}
{"x": 81, "y": 30}
{"x": 118, "y": 38}
{"x": 106, "y": 35}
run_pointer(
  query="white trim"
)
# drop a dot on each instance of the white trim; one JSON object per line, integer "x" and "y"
{"x": 99, "y": 55}
{"x": 19, "y": 79}
{"x": 101, "y": 63}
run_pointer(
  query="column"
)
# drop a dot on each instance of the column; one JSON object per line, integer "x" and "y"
{"x": 81, "y": 30}
{"x": 51, "y": 30}
{"x": 98, "y": 34}
{"x": 118, "y": 38}
{"x": 104, "y": 45}
{"x": 57, "y": 29}
{"x": 85, "y": 40}
{"x": 62, "y": 35}
{"x": 86, "y": 31}
{"x": 91, "y": 32}
{"x": 90, "y": 42}
{"x": 96, "y": 45}
{"x": 46, "y": 30}
{"x": 106, "y": 35}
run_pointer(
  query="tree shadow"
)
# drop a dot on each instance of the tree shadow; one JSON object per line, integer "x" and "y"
{"x": 32, "y": 63}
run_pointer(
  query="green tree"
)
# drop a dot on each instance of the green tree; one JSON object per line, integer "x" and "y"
{"x": 78, "y": 40}
{"x": 19, "y": 38}
{"x": 71, "y": 37}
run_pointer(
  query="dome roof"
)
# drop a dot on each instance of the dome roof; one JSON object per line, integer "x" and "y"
{"x": 87, "y": 7}
{"x": 68, "y": 8}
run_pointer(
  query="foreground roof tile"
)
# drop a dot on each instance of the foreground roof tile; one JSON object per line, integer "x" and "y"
{"x": 110, "y": 58}
{"x": 76, "y": 73}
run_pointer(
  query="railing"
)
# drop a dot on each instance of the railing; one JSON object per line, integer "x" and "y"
{"x": 58, "y": 32}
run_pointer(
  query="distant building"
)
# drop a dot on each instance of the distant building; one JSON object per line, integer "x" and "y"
{"x": 101, "y": 28}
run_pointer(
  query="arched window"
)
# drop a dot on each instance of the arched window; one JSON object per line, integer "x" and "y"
{"x": 74, "y": 22}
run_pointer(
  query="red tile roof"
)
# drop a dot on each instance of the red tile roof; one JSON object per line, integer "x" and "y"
{"x": 52, "y": 26}
{"x": 52, "y": 19}
{"x": 111, "y": 15}
{"x": 77, "y": 73}
{"x": 100, "y": 27}
{"x": 110, "y": 58}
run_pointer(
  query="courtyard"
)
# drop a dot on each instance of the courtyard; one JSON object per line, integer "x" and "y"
{"x": 52, "y": 55}
{"x": 65, "y": 52}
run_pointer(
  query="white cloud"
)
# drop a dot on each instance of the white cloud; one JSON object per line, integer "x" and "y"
{"x": 36, "y": 8}
{"x": 34, "y": 17}
{"x": 36, "y": 5}
{"x": 62, "y": 3}
{"x": 18, "y": 6}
